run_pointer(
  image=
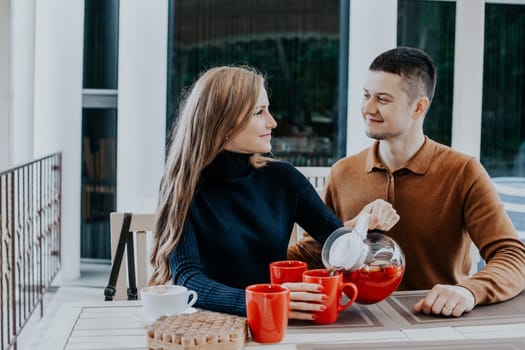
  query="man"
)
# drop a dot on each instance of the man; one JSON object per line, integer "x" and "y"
{"x": 445, "y": 199}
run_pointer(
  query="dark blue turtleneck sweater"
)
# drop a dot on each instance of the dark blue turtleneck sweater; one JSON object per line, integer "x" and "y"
{"x": 240, "y": 220}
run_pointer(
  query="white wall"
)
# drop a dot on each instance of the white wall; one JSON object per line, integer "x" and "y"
{"x": 5, "y": 84}
{"x": 23, "y": 79}
{"x": 373, "y": 29}
{"x": 143, "y": 36}
{"x": 468, "y": 77}
{"x": 57, "y": 109}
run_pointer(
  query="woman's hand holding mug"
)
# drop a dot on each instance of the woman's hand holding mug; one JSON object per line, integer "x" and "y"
{"x": 305, "y": 298}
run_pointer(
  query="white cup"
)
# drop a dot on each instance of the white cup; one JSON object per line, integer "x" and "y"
{"x": 166, "y": 300}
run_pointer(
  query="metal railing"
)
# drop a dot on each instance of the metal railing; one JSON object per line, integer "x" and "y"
{"x": 30, "y": 200}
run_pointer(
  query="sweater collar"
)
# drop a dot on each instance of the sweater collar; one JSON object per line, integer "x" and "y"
{"x": 418, "y": 164}
{"x": 229, "y": 164}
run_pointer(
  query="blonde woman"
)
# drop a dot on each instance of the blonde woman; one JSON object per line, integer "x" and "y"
{"x": 226, "y": 212}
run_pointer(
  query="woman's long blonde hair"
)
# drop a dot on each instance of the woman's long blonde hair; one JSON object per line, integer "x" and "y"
{"x": 217, "y": 107}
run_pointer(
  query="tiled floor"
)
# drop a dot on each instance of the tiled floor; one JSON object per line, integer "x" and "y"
{"x": 89, "y": 287}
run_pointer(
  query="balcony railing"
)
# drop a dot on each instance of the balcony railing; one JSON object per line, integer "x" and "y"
{"x": 30, "y": 200}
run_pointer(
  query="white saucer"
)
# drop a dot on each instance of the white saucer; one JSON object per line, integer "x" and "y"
{"x": 147, "y": 321}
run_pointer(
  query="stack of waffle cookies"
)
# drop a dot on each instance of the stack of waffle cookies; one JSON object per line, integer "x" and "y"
{"x": 200, "y": 330}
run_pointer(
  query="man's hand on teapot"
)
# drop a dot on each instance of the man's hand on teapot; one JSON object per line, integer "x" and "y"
{"x": 305, "y": 298}
{"x": 382, "y": 216}
{"x": 446, "y": 300}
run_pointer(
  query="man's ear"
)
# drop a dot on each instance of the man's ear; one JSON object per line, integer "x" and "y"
{"x": 421, "y": 107}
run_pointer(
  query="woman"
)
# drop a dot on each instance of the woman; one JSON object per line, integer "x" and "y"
{"x": 226, "y": 212}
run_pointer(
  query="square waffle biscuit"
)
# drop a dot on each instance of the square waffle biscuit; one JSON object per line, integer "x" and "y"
{"x": 201, "y": 330}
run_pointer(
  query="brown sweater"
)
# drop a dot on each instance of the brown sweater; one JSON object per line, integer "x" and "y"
{"x": 445, "y": 201}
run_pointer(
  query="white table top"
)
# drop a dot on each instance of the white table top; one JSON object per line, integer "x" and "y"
{"x": 111, "y": 325}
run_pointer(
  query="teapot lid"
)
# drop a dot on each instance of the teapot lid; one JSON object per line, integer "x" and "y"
{"x": 345, "y": 249}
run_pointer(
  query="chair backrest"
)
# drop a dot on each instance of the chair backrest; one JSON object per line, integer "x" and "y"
{"x": 317, "y": 176}
{"x": 141, "y": 225}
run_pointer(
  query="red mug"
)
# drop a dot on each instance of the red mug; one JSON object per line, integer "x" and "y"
{"x": 267, "y": 311}
{"x": 287, "y": 271}
{"x": 332, "y": 281}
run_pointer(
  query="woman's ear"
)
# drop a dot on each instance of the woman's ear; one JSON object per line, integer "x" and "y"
{"x": 421, "y": 107}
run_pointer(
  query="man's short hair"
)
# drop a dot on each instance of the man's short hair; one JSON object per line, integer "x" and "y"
{"x": 413, "y": 65}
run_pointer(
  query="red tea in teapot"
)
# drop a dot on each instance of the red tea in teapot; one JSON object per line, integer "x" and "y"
{"x": 375, "y": 283}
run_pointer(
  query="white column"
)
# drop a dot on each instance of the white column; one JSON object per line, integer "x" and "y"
{"x": 143, "y": 32}
{"x": 5, "y": 85}
{"x": 373, "y": 29}
{"x": 468, "y": 76}
{"x": 23, "y": 79}
{"x": 58, "y": 109}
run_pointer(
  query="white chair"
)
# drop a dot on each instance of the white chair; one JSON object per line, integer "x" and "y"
{"x": 141, "y": 225}
{"x": 141, "y": 228}
{"x": 318, "y": 176}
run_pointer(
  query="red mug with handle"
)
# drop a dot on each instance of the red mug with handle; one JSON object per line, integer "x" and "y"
{"x": 332, "y": 281}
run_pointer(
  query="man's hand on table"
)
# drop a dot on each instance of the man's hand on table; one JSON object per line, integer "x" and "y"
{"x": 446, "y": 300}
{"x": 305, "y": 298}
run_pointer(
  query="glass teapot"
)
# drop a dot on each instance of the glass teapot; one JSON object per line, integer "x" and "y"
{"x": 373, "y": 261}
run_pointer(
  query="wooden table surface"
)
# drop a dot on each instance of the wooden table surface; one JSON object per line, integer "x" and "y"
{"x": 389, "y": 324}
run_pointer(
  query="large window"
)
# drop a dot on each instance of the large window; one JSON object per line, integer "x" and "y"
{"x": 99, "y": 127}
{"x": 503, "y": 124}
{"x": 100, "y": 44}
{"x": 430, "y": 26}
{"x": 99, "y": 153}
{"x": 295, "y": 43}
{"x": 503, "y": 116}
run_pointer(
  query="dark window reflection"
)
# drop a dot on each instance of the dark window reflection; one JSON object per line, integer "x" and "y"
{"x": 100, "y": 44}
{"x": 430, "y": 26}
{"x": 295, "y": 43}
{"x": 503, "y": 125}
{"x": 99, "y": 159}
